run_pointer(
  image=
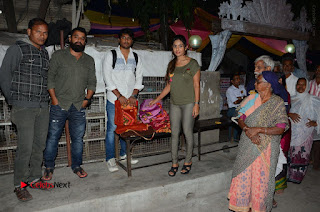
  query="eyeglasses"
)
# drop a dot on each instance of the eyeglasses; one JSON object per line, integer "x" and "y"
{"x": 126, "y": 38}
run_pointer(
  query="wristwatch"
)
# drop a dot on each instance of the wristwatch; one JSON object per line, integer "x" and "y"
{"x": 89, "y": 100}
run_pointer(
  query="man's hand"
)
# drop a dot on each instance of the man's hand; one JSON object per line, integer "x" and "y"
{"x": 239, "y": 100}
{"x": 123, "y": 100}
{"x": 295, "y": 117}
{"x": 54, "y": 101}
{"x": 132, "y": 101}
{"x": 84, "y": 103}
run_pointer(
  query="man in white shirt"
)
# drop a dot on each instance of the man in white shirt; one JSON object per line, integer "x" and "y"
{"x": 235, "y": 94}
{"x": 291, "y": 80}
{"x": 123, "y": 81}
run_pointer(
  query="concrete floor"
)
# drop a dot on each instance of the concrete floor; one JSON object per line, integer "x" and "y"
{"x": 151, "y": 189}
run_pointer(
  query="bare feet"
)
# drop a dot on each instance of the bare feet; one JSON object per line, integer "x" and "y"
{"x": 280, "y": 191}
{"x": 274, "y": 204}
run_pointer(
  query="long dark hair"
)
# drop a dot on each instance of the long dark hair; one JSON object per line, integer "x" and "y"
{"x": 172, "y": 63}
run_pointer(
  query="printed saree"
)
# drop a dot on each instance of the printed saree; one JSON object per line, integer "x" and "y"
{"x": 253, "y": 182}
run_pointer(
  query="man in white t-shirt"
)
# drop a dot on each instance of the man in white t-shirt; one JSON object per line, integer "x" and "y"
{"x": 235, "y": 94}
{"x": 291, "y": 80}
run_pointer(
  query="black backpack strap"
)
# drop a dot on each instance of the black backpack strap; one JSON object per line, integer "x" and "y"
{"x": 136, "y": 59}
{"x": 114, "y": 58}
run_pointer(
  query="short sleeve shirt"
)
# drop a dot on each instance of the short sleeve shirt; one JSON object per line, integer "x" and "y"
{"x": 181, "y": 86}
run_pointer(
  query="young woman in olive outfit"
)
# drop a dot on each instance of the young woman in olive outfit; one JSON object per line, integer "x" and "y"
{"x": 183, "y": 83}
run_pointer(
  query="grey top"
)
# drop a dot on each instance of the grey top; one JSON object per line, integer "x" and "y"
{"x": 182, "y": 89}
{"x": 71, "y": 77}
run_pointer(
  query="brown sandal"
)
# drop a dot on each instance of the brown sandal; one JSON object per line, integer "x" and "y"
{"x": 80, "y": 172}
{"x": 22, "y": 194}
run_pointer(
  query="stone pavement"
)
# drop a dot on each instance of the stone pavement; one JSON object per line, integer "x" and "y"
{"x": 151, "y": 189}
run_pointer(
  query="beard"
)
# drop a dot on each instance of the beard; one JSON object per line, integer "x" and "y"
{"x": 77, "y": 47}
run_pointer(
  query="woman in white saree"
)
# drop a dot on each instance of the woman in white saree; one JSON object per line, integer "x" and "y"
{"x": 305, "y": 121}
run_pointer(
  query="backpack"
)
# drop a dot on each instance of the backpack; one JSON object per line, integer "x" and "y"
{"x": 114, "y": 59}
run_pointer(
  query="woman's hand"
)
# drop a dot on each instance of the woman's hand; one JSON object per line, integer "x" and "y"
{"x": 195, "y": 111}
{"x": 252, "y": 132}
{"x": 295, "y": 117}
{"x": 153, "y": 102}
{"x": 311, "y": 123}
{"x": 256, "y": 139}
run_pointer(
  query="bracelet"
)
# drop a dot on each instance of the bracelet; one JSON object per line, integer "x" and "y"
{"x": 198, "y": 103}
{"x": 265, "y": 130}
{"x": 119, "y": 97}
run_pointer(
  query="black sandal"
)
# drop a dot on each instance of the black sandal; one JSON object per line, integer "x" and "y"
{"x": 173, "y": 170}
{"x": 186, "y": 169}
{"x": 47, "y": 175}
{"x": 80, "y": 172}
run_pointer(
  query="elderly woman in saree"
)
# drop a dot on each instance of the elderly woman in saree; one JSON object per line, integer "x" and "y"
{"x": 305, "y": 121}
{"x": 253, "y": 179}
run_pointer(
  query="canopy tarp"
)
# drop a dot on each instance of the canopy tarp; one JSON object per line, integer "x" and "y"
{"x": 198, "y": 29}
{"x": 276, "y": 47}
{"x": 202, "y": 27}
{"x": 101, "y": 23}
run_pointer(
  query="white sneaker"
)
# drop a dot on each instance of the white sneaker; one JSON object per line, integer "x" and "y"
{"x": 133, "y": 161}
{"x": 112, "y": 166}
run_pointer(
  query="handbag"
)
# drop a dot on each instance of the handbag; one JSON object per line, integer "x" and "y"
{"x": 126, "y": 118}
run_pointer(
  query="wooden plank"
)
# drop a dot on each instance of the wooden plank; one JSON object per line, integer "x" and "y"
{"x": 260, "y": 30}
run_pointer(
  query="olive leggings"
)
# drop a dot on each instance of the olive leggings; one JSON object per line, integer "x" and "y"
{"x": 181, "y": 114}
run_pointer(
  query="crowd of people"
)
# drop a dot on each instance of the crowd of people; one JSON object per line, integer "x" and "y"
{"x": 277, "y": 113}
{"x": 280, "y": 120}
{"x": 29, "y": 80}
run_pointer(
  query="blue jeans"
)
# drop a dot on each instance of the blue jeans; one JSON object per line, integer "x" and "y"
{"x": 236, "y": 129}
{"x": 77, "y": 127}
{"x": 111, "y": 127}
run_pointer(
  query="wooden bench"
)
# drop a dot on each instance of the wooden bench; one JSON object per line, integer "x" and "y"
{"x": 209, "y": 124}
